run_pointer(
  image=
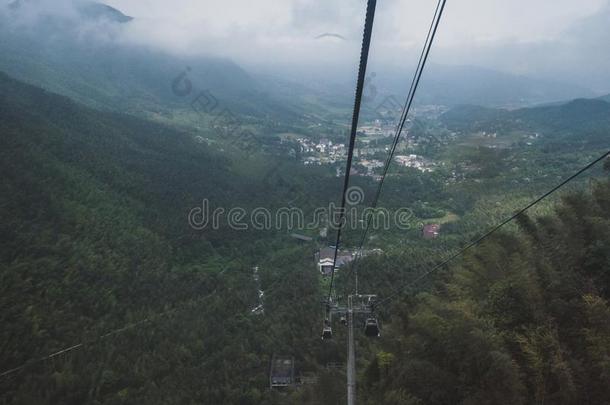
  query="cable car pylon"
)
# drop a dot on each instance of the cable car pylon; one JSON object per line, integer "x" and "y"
{"x": 360, "y": 307}
{"x": 351, "y": 355}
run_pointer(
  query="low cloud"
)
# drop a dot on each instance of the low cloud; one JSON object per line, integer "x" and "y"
{"x": 568, "y": 41}
{"x": 519, "y": 36}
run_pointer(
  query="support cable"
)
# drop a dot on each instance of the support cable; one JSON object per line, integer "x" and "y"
{"x": 364, "y": 55}
{"x": 405, "y": 112}
{"x": 128, "y": 327}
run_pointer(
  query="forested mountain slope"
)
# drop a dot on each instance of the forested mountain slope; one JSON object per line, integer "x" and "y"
{"x": 522, "y": 319}
{"x": 95, "y": 237}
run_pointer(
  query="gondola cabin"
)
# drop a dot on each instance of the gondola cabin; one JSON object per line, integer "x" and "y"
{"x": 371, "y": 328}
{"x": 327, "y": 333}
{"x": 282, "y": 372}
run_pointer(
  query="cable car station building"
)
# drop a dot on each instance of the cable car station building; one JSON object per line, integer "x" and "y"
{"x": 324, "y": 259}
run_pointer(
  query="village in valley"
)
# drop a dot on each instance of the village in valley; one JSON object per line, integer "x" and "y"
{"x": 372, "y": 147}
{"x": 374, "y": 141}
{"x": 420, "y": 153}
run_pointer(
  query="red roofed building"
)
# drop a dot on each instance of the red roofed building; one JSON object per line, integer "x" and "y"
{"x": 431, "y": 231}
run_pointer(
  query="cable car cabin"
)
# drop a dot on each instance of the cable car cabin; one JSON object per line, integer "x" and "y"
{"x": 371, "y": 328}
{"x": 282, "y": 372}
{"x": 327, "y": 333}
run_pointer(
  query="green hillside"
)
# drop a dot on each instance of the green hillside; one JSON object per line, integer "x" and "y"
{"x": 523, "y": 319}
{"x": 166, "y": 214}
{"x": 95, "y": 237}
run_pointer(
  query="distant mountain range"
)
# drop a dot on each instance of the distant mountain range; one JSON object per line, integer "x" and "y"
{"x": 112, "y": 75}
{"x": 585, "y": 120}
{"x": 456, "y": 85}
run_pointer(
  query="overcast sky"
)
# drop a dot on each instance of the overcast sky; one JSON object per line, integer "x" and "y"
{"x": 504, "y": 34}
{"x": 286, "y": 23}
{"x": 548, "y": 38}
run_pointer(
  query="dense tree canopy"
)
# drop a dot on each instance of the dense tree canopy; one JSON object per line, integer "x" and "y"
{"x": 94, "y": 238}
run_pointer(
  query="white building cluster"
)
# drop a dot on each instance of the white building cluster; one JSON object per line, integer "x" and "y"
{"x": 323, "y": 151}
{"x": 416, "y": 162}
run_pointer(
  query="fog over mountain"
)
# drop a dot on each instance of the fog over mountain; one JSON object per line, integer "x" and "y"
{"x": 563, "y": 40}
{"x": 499, "y": 55}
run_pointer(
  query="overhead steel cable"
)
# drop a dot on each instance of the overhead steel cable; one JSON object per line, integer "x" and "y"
{"x": 109, "y": 334}
{"x": 364, "y": 55}
{"x": 75, "y": 347}
{"x": 494, "y": 229}
{"x": 130, "y": 326}
{"x": 421, "y": 64}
